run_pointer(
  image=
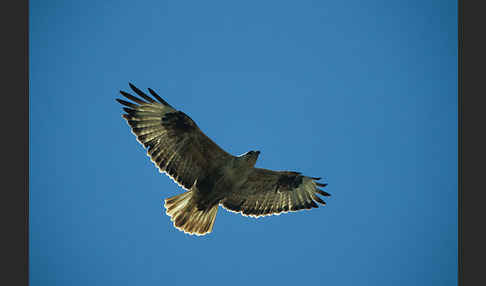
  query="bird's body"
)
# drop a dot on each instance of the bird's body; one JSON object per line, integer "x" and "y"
{"x": 212, "y": 176}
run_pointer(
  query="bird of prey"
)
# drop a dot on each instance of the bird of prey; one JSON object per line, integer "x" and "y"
{"x": 210, "y": 176}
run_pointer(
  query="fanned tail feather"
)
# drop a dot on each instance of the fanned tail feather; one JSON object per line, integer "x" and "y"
{"x": 187, "y": 217}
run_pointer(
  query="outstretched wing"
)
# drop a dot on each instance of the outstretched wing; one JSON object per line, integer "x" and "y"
{"x": 175, "y": 143}
{"x": 268, "y": 192}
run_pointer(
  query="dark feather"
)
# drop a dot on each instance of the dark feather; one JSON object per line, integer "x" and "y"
{"x": 319, "y": 200}
{"x": 132, "y": 98}
{"x": 141, "y": 93}
{"x": 323, "y": 193}
{"x": 129, "y": 110}
{"x": 126, "y": 103}
{"x": 154, "y": 94}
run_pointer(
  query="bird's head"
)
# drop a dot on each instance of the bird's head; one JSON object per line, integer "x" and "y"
{"x": 251, "y": 157}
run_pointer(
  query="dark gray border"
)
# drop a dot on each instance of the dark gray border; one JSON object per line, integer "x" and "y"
{"x": 471, "y": 81}
{"x": 15, "y": 137}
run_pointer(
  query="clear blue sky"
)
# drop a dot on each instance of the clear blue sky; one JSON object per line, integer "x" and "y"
{"x": 361, "y": 93}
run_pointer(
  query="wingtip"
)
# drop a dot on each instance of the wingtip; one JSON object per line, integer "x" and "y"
{"x": 124, "y": 93}
{"x": 319, "y": 200}
{"x": 154, "y": 94}
{"x": 326, "y": 194}
{"x": 120, "y": 101}
{"x": 133, "y": 87}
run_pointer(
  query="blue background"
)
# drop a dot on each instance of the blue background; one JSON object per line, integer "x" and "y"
{"x": 362, "y": 93}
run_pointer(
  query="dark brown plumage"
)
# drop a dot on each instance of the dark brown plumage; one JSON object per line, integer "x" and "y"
{"x": 211, "y": 176}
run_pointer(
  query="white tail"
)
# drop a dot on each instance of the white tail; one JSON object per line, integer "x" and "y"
{"x": 187, "y": 217}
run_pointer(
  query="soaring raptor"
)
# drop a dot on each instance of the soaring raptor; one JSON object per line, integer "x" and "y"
{"x": 210, "y": 175}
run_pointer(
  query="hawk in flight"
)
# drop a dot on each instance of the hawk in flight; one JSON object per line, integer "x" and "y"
{"x": 210, "y": 175}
